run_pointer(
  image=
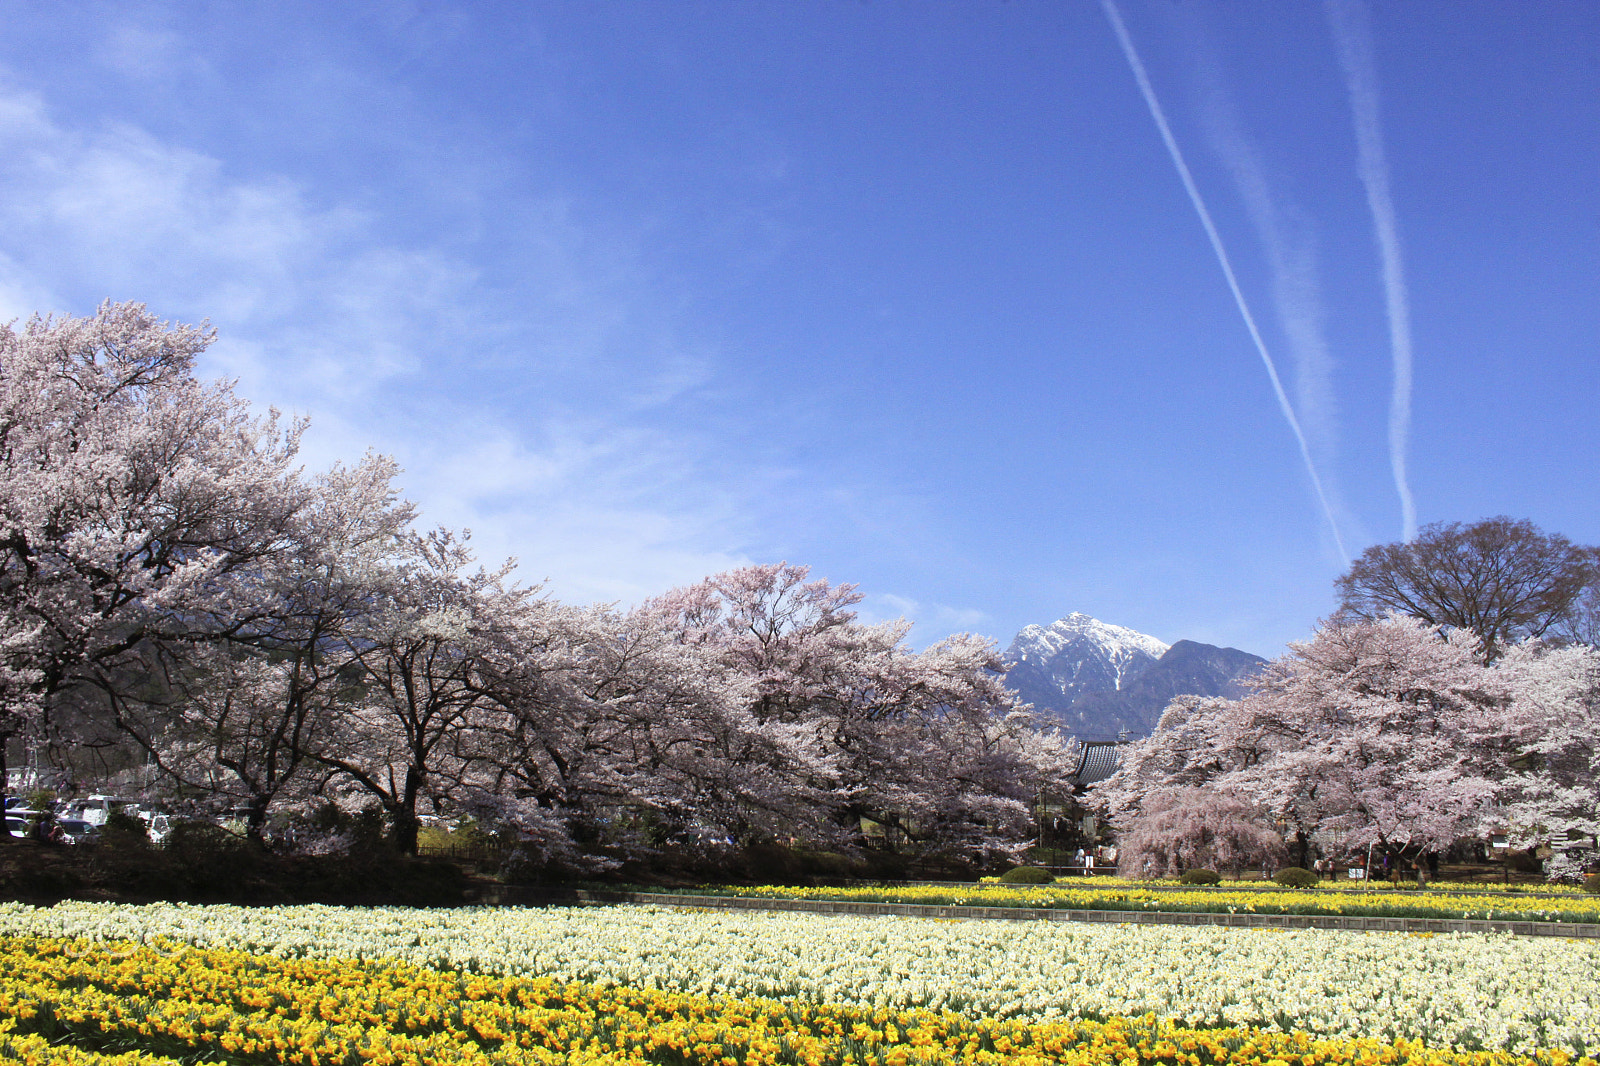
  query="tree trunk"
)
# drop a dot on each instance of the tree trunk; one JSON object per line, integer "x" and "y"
{"x": 255, "y": 823}
{"x": 5, "y": 780}
{"x": 403, "y": 833}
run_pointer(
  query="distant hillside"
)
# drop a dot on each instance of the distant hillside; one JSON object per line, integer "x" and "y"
{"x": 1098, "y": 680}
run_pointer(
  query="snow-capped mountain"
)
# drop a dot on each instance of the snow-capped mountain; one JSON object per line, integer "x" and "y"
{"x": 1098, "y": 679}
{"x": 1079, "y": 654}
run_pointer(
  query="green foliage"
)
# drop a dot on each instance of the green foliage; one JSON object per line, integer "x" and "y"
{"x": 1295, "y": 877}
{"x": 364, "y": 832}
{"x": 204, "y": 862}
{"x": 466, "y": 838}
{"x": 1524, "y": 861}
{"x": 1027, "y": 875}
{"x": 1592, "y": 883}
{"x": 1200, "y": 877}
{"x": 1049, "y": 856}
{"x": 123, "y": 830}
{"x": 435, "y": 838}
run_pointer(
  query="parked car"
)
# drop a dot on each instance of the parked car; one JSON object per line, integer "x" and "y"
{"x": 77, "y": 831}
{"x": 95, "y": 809}
{"x": 17, "y": 827}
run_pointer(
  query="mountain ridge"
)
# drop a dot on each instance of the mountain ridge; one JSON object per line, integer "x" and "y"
{"x": 1097, "y": 679}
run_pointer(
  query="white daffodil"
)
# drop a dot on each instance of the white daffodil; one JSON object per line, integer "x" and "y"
{"x": 1465, "y": 990}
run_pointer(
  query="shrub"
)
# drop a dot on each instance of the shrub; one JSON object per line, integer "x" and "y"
{"x": 1592, "y": 883}
{"x": 372, "y": 880}
{"x": 1524, "y": 861}
{"x": 1200, "y": 877}
{"x": 1295, "y": 877}
{"x": 43, "y": 883}
{"x": 1027, "y": 875}
{"x": 213, "y": 863}
{"x": 123, "y": 830}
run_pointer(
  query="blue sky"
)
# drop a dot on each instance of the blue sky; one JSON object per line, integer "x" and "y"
{"x": 909, "y": 292}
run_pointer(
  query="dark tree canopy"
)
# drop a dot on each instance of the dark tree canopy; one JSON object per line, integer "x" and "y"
{"x": 1504, "y": 579}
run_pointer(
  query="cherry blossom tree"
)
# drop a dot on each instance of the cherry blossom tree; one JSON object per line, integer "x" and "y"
{"x": 237, "y": 729}
{"x": 1176, "y": 829}
{"x": 1382, "y": 733}
{"x": 1386, "y": 733}
{"x": 1197, "y": 740}
{"x": 131, "y": 497}
{"x": 630, "y": 737}
{"x": 1551, "y": 792}
{"x": 858, "y": 726}
{"x": 427, "y": 658}
{"x": 169, "y": 578}
{"x": 244, "y": 716}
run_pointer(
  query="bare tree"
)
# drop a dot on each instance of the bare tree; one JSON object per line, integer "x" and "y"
{"x": 1505, "y": 580}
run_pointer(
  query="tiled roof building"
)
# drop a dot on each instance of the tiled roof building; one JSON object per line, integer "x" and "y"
{"x": 1099, "y": 761}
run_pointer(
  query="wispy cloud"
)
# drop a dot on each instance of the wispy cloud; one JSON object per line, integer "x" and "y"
{"x": 931, "y": 621}
{"x": 1114, "y": 16}
{"x": 387, "y": 346}
{"x": 1289, "y": 245}
{"x": 582, "y": 506}
{"x": 118, "y": 212}
{"x": 1352, "y": 37}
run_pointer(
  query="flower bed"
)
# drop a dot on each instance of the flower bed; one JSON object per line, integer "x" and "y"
{"x": 251, "y": 1010}
{"x": 1339, "y": 884}
{"x": 1464, "y": 991}
{"x": 1108, "y": 894}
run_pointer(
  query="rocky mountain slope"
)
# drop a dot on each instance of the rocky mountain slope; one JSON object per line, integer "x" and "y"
{"x": 1098, "y": 680}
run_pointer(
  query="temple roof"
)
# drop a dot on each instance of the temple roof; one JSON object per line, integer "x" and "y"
{"x": 1099, "y": 761}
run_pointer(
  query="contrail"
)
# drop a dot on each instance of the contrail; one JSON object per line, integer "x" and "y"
{"x": 1123, "y": 38}
{"x": 1353, "y": 38}
{"x": 1290, "y": 248}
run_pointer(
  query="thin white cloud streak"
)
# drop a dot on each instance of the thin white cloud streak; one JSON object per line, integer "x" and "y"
{"x": 1290, "y": 249}
{"x": 1114, "y": 16}
{"x": 1352, "y": 38}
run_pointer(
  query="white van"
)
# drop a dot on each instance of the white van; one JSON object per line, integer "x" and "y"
{"x": 95, "y": 809}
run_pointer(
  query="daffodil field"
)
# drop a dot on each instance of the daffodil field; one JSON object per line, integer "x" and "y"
{"x": 1552, "y": 903}
{"x": 166, "y": 983}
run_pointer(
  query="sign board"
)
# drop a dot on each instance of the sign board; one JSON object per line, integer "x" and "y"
{"x": 1357, "y": 873}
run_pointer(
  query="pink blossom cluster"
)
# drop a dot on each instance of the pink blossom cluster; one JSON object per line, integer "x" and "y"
{"x": 171, "y": 584}
{"x": 1391, "y": 735}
